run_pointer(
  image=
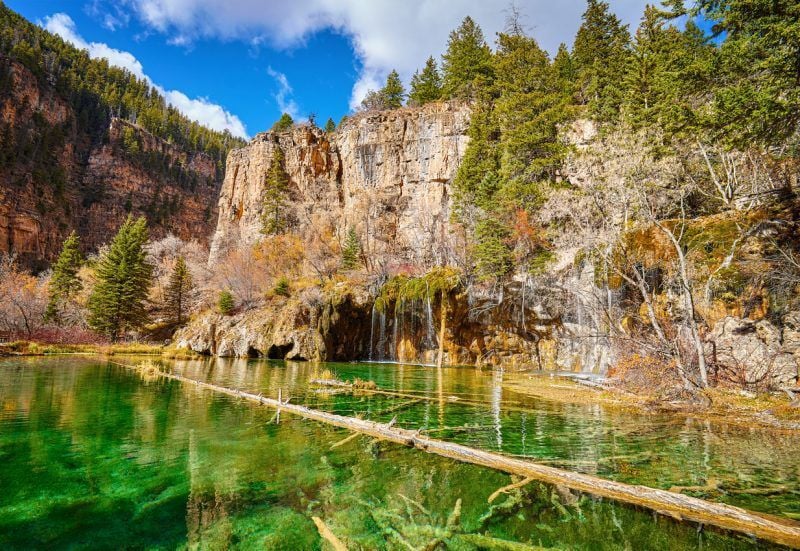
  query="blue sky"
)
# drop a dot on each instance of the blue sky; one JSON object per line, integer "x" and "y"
{"x": 238, "y": 64}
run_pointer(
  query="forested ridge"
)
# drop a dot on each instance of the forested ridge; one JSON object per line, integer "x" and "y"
{"x": 98, "y": 91}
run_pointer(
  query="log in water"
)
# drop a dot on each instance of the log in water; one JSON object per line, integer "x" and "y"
{"x": 678, "y": 506}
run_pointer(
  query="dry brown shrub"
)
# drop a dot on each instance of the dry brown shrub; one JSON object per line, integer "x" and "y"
{"x": 646, "y": 375}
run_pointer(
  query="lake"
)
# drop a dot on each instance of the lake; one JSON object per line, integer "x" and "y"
{"x": 94, "y": 456}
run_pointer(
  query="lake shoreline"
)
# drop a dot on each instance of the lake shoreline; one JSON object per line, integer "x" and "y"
{"x": 771, "y": 410}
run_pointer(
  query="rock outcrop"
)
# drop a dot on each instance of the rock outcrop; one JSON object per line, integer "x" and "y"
{"x": 385, "y": 174}
{"x": 755, "y": 353}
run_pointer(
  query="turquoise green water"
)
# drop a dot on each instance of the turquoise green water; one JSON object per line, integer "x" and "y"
{"x": 92, "y": 456}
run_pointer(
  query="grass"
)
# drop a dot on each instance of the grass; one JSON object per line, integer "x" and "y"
{"x": 27, "y": 348}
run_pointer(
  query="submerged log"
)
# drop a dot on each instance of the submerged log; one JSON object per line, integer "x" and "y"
{"x": 729, "y": 517}
{"x": 326, "y": 533}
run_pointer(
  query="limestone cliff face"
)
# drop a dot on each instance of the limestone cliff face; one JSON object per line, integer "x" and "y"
{"x": 55, "y": 178}
{"x": 386, "y": 174}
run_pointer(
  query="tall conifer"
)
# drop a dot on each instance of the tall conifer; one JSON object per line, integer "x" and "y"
{"x": 118, "y": 300}
{"x": 64, "y": 283}
{"x": 427, "y": 85}
{"x": 467, "y": 62}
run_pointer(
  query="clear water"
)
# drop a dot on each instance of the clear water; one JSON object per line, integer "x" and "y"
{"x": 92, "y": 456}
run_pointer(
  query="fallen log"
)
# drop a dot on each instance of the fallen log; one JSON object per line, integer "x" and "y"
{"x": 729, "y": 517}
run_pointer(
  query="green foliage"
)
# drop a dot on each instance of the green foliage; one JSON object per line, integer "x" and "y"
{"x": 756, "y": 86}
{"x": 64, "y": 283}
{"x": 282, "y": 287}
{"x": 177, "y": 293}
{"x": 427, "y": 85}
{"x": 467, "y": 63}
{"x": 117, "y": 303}
{"x": 665, "y": 70}
{"x": 225, "y": 303}
{"x": 600, "y": 55}
{"x": 491, "y": 254}
{"x": 393, "y": 92}
{"x": 351, "y": 252}
{"x": 529, "y": 108}
{"x": 442, "y": 279}
{"x": 330, "y": 126}
{"x": 284, "y": 123}
{"x": 274, "y": 218}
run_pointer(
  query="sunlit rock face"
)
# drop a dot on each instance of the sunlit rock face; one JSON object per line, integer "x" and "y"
{"x": 385, "y": 174}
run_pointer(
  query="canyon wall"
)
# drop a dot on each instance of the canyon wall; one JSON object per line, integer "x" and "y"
{"x": 55, "y": 178}
{"x": 385, "y": 174}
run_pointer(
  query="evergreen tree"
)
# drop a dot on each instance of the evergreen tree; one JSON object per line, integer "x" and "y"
{"x": 564, "y": 69}
{"x": 756, "y": 87}
{"x": 467, "y": 62}
{"x": 651, "y": 82}
{"x": 117, "y": 302}
{"x": 427, "y": 85}
{"x": 330, "y": 126}
{"x": 492, "y": 256}
{"x": 600, "y": 55}
{"x": 351, "y": 252}
{"x": 64, "y": 283}
{"x": 225, "y": 303}
{"x": 284, "y": 123}
{"x": 178, "y": 289}
{"x": 528, "y": 110}
{"x": 393, "y": 93}
{"x": 276, "y": 186}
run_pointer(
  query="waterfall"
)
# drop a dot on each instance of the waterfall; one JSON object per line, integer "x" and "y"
{"x": 430, "y": 332}
{"x": 393, "y": 351}
{"x": 371, "y": 332}
{"x": 382, "y": 338}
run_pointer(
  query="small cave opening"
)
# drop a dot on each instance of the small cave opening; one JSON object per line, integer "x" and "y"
{"x": 278, "y": 352}
{"x": 253, "y": 353}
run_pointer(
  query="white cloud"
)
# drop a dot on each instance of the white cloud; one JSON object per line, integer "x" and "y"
{"x": 199, "y": 109}
{"x": 283, "y": 96}
{"x": 385, "y": 34}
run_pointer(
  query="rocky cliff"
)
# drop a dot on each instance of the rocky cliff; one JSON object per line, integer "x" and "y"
{"x": 56, "y": 178}
{"x": 388, "y": 175}
{"x": 385, "y": 174}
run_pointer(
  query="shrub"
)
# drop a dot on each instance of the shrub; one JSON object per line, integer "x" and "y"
{"x": 282, "y": 287}
{"x": 225, "y": 303}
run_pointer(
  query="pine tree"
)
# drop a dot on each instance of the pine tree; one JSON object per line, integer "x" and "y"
{"x": 564, "y": 68}
{"x": 467, "y": 62}
{"x": 600, "y": 55}
{"x": 178, "y": 290}
{"x": 330, "y": 126}
{"x": 273, "y": 215}
{"x": 225, "y": 303}
{"x": 756, "y": 86}
{"x": 284, "y": 123}
{"x": 118, "y": 300}
{"x": 64, "y": 283}
{"x": 427, "y": 85}
{"x": 393, "y": 93}
{"x": 351, "y": 252}
{"x": 528, "y": 110}
{"x": 649, "y": 82}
